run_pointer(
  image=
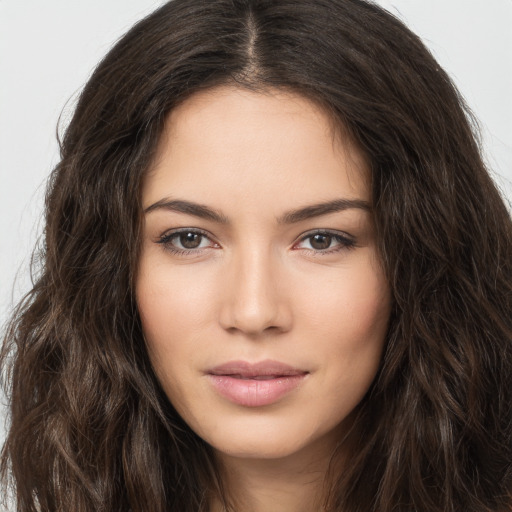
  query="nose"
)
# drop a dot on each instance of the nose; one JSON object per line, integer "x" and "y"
{"x": 254, "y": 298}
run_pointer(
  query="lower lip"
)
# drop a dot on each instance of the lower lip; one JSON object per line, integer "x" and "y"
{"x": 255, "y": 393}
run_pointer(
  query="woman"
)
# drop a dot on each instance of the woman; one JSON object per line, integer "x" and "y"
{"x": 276, "y": 276}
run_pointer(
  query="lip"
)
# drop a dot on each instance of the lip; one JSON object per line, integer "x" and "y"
{"x": 255, "y": 384}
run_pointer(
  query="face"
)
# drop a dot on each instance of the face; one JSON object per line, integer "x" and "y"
{"x": 262, "y": 299}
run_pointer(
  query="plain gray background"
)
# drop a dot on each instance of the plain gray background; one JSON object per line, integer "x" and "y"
{"x": 48, "y": 49}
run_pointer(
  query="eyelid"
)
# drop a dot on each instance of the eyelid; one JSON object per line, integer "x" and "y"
{"x": 346, "y": 241}
{"x": 166, "y": 237}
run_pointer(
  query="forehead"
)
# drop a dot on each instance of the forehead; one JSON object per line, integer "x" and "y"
{"x": 218, "y": 104}
{"x": 246, "y": 143}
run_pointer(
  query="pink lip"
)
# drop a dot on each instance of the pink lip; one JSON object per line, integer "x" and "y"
{"x": 255, "y": 385}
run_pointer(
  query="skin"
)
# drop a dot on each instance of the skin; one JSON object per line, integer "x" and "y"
{"x": 258, "y": 288}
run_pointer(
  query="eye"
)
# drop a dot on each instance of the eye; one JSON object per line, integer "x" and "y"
{"x": 326, "y": 242}
{"x": 186, "y": 241}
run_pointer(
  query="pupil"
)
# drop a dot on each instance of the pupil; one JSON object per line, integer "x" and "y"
{"x": 321, "y": 241}
{"x": 190, "y": 240}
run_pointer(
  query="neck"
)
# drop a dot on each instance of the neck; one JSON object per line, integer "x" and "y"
{"x": 295, "y": 483}
{"x": 265, "y": 486}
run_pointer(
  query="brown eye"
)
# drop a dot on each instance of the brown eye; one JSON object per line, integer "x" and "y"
{"x": 320, "y": 241}
{"x": 190, "y": 240}
{"x": 186, "y": 242}
{"x": 325, "y": 242}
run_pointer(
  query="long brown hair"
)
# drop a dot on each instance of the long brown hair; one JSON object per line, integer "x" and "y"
{"x": 91, "y": 428}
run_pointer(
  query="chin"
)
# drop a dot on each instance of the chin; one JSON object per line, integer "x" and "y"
{"x": 264, "y": 439}
{"x": 257, "y": 448}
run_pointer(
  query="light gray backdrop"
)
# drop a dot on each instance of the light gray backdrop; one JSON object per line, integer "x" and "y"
{"x": 48, "y": 49}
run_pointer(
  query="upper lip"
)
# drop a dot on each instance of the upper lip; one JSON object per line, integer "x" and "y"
{"x": 265, "y": 368}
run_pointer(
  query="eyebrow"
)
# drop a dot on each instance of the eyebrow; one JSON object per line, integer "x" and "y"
{"x": 290, "y": 217}
{"x": 316, "y": 210}
{"x": 190, "y": 208}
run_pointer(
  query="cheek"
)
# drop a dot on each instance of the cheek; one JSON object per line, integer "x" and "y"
{"x": 348, "y": 319}
{"x": 176, "y": 306}
{"x": 166, "y": 308}
{"x": 172, "y": 302}
{"x": 349, "y": 324}
{"x": 353, "y": 303}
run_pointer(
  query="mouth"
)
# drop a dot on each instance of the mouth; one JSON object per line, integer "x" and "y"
{"x": 263, "y": 370}
{"x": 255, "y": 385}
{"x": 254, "y": 377}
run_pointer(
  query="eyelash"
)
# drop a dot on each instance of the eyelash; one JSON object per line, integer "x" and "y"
{"x": 345, "y": 242}
{"x": 167, "y": 238}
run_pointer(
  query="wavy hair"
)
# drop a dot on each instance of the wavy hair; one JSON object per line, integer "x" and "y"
{"x": 91, "y": 428}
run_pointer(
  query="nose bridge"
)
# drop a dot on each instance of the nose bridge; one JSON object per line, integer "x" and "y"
{"x": 254, "y": 301}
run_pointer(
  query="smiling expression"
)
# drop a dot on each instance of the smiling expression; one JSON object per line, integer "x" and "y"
{"x": 260, "y": 291}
